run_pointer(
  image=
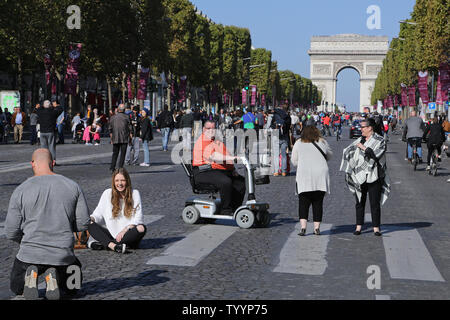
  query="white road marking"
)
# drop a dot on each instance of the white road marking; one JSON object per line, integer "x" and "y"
{"x": 407, "y": 257}
{"x": 305, "y": 255}
{"x": 150, "y": 218}
{"x": 194, "y": 247}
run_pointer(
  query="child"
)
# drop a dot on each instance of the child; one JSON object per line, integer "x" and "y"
{"x": 96, "y": 132}
{"x": 87, "y": 135}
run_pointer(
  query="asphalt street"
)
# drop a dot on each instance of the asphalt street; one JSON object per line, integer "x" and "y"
{"x": 410, "y": 261}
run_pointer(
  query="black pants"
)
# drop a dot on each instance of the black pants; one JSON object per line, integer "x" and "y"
{"x": 122, "y": 147}
{"x": 306, "y": 199}
{"x": 131, "y": 238}
{"x": 374, "y": 190}
{"x": 231, "y": 189}
{"x": 431, "y": 148}
{"x": 33, "y": 138}
{"x": 19, "y": 269}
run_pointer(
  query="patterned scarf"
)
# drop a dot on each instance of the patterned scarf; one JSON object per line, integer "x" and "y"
{"x": 360, "y": 169}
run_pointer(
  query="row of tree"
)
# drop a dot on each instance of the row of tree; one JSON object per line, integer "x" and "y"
{"x": 423, "y": 44}
{"x": 117, "y": 37}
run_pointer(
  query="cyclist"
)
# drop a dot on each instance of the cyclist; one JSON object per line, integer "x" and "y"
{"x": 435, "y": 139}
{"x": 413, "y": 133}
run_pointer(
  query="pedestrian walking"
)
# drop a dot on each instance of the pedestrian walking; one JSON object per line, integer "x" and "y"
{"x": 60, "y": 127}
{"x": 47, "y": 121}
{"x": 117, "y": 221}
{"x": 165, "y": 125}
{"x": 146, "y": 136}
{"x": 133, "y": 148}
{"x": 186, "y": 125}
{"x": 310, "y": 155}
{"x": 33, "y": 123}
{"x": 44, "y": 212}
{"x": 120, "y": 133}
{"x": 364, "y": 164}
{"x": 18, "y": 121}
{"x": 282, "y": 122}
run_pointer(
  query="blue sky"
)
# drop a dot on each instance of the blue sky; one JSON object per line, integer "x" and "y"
{"x": 285, "y": 27}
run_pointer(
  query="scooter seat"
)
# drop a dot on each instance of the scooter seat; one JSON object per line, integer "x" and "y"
{"x": 203, "y": 188}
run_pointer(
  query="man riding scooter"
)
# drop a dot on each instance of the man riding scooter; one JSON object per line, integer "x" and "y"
{"x": 213, "y": 164}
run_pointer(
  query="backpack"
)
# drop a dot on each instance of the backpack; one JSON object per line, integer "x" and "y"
{"x": 281, "y": 120}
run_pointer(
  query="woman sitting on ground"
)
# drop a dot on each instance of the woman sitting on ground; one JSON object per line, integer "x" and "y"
{"x": 120, "y": 210}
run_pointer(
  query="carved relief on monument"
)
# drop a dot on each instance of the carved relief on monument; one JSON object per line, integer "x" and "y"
{"x": 321, "y": 69}
{"x": 338, "y": 66}
{"x": 373, "y": 69}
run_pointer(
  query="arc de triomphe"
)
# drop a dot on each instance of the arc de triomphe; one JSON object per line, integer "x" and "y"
{"x": 331, "y": 54}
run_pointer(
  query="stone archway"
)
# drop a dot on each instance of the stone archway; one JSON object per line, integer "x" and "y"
{"x": 331, "y": 54}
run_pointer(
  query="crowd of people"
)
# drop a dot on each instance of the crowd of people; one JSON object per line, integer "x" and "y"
{"x": 117, "y": 223}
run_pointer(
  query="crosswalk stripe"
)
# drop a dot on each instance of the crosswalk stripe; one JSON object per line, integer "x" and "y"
{"x": 407, "y": 256}
{"x": 305, "y": 255}
{"x": 194, "y": 247}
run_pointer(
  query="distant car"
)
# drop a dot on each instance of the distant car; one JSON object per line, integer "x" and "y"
{"x": 355, "y": 129}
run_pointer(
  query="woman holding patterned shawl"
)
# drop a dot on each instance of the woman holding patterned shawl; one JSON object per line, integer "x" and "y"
{"x": 364, "y": 164}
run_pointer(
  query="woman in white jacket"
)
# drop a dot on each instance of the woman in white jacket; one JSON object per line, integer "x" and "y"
{"x": 120, "y": 210}
{"x": 310, "y": 155}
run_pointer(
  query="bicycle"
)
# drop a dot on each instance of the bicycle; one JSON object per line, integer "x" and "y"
{"x": 338, "y": 133}
{"x": 434, "y": 161}
{"x": 415, "y": 157}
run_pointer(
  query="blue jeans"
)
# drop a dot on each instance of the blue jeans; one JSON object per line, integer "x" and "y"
{"x": 60, "y": 133}
{"x": 165, "y": 133}
{"x": 283, "y": 150}
{"x": 418, "y": 142}
{"x": 146, "y": 151}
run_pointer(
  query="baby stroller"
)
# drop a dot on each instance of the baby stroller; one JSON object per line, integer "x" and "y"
{"x": 79, "y": 129}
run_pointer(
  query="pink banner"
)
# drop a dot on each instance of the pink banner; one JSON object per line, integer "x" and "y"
{"x": 253, "y": 100}
{"x": 390, "y": 104}
{"x": 404, "y": 97}
{"x": 47, "y": 65}
{"x": 439, "y": 99}
{"x": 143, "y": 80}
{"x": 263, "y": 99}
{"x": 72, "y": 69}
{"x": 182, "y": 89}
{"x": 395, "y": 100}
{"x": 244, "y": 97}
{"x": 412, "y": 96}
{"x": 130, "y": 89}
{"x": 423, "y": 87}
{"x": 236, "y": 97}
{"x": 444, "y": 72}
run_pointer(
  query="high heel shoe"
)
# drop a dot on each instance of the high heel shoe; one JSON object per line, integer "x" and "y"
{"x": 302, "y": 232}
{"x": 357, "y": 232}
{"x": 377, "y": 233}
{"x": 317, "y": 232}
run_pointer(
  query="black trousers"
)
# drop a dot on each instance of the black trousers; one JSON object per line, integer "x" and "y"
{"x": 306, "y": 199}
{"x": 231, "y": 189}
{"x": 17, "y": 279}
{"x": 122, "y": 147}
{"x": 431, "y": 149}
{"x": 33, "y": 138}
{"x": 374, "y": 191}
{"x": 131, "y": 238}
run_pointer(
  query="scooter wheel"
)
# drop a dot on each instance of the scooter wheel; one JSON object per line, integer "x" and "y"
{"x": 190, "y": 215}
{"x": 245, "y": 218}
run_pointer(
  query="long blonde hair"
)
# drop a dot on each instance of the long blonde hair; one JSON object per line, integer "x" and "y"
{"x": 129, "y": 209}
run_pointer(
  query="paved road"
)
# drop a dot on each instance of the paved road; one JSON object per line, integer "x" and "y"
{"x": 221, "y": 261}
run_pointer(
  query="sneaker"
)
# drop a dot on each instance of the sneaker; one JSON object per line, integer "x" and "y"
{"x": 406, "y": 159}
{"x": 52, "y": 292}
{"x": 30, "y": 289}
{"x": 276, "y": 174}
{"x": 95, "y": 245}
{"x": 143, "y": 164}
{"x": 284, "y": 174}
{"x": 120, "y": 248}
{"x": 428, "y": 168}
{"x": 448, "y": 180}
{"x": 97, "y": 144}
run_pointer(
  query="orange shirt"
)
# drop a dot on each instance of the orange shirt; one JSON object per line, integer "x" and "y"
{"x": 326, "y": 120}
{"x": 203, "y": 149}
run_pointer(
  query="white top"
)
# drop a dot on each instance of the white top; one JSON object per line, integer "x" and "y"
{"x": 103, "y": 213}
{"x": 312, "y": 168}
